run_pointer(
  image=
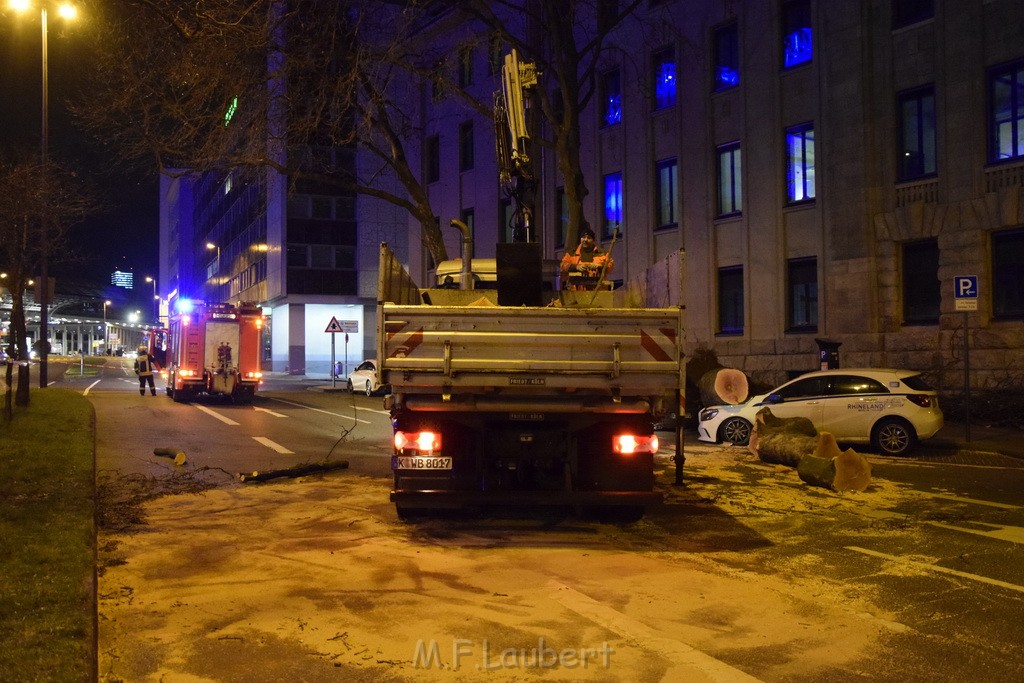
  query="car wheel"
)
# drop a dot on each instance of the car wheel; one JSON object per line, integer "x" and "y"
{"x": 893, "y": 436}
{"x": 369, "y": 388}
{"x": 351, "y": 389}
{"x": 736, "y": 431}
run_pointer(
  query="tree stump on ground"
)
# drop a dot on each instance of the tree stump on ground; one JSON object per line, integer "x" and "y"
{"x": 782, "y": 441}
{"x": 831, "y": 468}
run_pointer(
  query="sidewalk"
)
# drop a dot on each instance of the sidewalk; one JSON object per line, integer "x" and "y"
{"x": 1004, "y": 441}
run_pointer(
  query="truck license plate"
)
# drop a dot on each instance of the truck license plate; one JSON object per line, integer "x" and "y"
{"x": 420, "y": 462}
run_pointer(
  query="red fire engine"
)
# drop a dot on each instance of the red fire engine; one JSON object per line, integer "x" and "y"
{"x": 211, "y": 348}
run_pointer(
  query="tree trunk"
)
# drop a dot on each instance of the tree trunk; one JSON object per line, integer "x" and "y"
{"x": 723, "y": 386}
{"x": 831, "y": 468}
{"x": 782, "y": 441}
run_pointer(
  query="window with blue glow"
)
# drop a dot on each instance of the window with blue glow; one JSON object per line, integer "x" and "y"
{"x": 727, "y": 57}
{"x": 730, "y": 183}
{"x": 1006, "y": 118}
{"x": 797, "y": 44}
{"x": 800, "y": 163}
{"x": 611, "y": 98}
{"x": 916, "y": 111}
{"x": 612, "y": 204}
{"x": 663, "y": 65}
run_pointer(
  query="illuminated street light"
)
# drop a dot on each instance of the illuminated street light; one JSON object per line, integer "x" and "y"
{"x": 106, "y": 333}
{"x": 155, "y": 297}
{"x": 66, "y": 11}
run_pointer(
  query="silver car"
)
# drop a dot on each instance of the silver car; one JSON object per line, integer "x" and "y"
{"x": 890, "y": 409}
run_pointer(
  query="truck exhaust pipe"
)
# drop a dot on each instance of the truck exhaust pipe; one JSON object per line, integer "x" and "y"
{"x": 466, "y": 280}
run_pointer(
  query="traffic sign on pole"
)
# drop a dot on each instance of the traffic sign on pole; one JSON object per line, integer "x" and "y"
{"x": 965, "y": 292}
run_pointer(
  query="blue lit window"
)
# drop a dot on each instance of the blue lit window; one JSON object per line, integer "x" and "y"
{"x": 612, "y": 204}
{"x": 664, "y": 74}
{"x": 1006, "y": 118}
{"x": 727, "y": 57}
{"x": 797, "y": 45}
{"x": 611, "y": 98}
{"x": 800, "y": 163}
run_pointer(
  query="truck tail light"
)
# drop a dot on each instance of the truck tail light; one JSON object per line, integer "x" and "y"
{"x": 628, "y": 444}
{"x": 254, "y": 375}
{"x": 424, "y": 442}
{"x": 185, "y": 372}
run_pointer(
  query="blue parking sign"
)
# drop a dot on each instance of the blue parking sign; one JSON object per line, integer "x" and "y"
{"x": 965, "y": 287}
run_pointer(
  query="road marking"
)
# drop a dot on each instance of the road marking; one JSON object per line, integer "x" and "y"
{"x": 1013, "y": 534}
{"x": 975, "y": 501}
{"x": 225, "y": 420}
{"x": 271, "y": 412}
{"x": 327, "y": 412}
{"x": 273, "y": 445}
{"x": 934, "y": 568}
{"x": 690, "y": 663}
{"x": 86, "y": 392}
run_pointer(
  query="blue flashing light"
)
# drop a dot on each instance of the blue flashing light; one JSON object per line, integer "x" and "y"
{"x": 184, "y": 305}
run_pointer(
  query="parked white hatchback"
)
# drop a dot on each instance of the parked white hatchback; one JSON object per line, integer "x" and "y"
{"x": 890, "y": 409}
{"x": 366, "y": 379}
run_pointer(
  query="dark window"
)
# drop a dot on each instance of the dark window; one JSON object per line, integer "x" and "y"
{"x": 611, "y": 98}
{"x": 803, "y": 295}
{"x": 1006, "y": 120}
{"x": 730, "y": 184}
{"x": 1008, "y": 274}
{"x": 907, "y": 12}
{"x": 466, "y": 146}
{"x": 562, "y": 219}
{"x": 433, "y": 159}
{"x": 730, "y": 300}
{"x": 465, "y": 68}
{"x": 800, "y": 163}
{"x": 612, "y": 204}
{"x": 916, "y": 111}
{"x": 922, "y": 293}
{"x": 663, "y": 75}
{"x": 495, "y": 55}
{"x": 797, "y": 46}
{"x": 727, "y": 57}
{"x": 666, "y": 191}
{"x": 298, "y": 255}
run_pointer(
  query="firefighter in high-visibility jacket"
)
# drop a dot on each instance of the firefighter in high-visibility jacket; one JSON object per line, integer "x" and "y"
{"x": 586, "y": 266}
{"x": 144, "y": 371}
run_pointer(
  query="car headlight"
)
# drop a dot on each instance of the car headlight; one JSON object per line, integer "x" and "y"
{"x": 708, "y": 413}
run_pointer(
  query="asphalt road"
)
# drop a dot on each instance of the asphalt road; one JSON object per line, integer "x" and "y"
{"x": 745, "y": 573}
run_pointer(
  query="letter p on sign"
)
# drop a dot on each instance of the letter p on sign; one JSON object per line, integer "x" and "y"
{"x": 965, "y": 292}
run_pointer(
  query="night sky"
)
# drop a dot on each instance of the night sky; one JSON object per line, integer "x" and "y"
{"x": 123, "y": 234}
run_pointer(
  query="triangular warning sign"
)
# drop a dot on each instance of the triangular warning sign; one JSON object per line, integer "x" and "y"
{"x": 334, "y": 326}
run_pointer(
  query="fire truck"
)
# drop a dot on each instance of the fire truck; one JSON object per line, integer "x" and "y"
{"x": 212, "y": 349}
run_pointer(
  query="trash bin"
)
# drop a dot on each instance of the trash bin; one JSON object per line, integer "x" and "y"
{"x": 828, "y": 354}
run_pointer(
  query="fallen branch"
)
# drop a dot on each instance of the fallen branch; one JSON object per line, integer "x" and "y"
{"x": 175, "y": 454}
{"x": 292, "y": 472}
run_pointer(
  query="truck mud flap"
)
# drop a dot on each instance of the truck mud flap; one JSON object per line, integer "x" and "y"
{"x": 454, "y": 499}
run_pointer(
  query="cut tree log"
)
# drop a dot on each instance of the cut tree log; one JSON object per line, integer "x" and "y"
{"x": 831, "y": 468}
{"x": 723, "y": 386}
{"x": 782, "y": 441}
{"x": 175, "y": 454}
{"x": 297, "y": 471}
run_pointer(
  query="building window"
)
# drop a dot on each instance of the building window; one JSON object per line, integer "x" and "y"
{"x": 907, "y": 12}
{"x": 495, "y": 55}
{"x": 730, "y": 184}
{"x": 922, "y": 293}
{"x": 1008, "y": 274}
{"x": 797, "y": 46}
{"x": 802, "y": 285}
{"x": 465, "y": 68}
{"x": 666, "y": 192}
{"x": 800, "y": 163}
{"x": 727, "y": 57}
{"x": 433, "y": 159}
{"x": 916, "y": 112}
{"x": 663, "y": 73}
{"x": 562, "y": 219}
{"x": 612, "y": 204}
{"x": 611, "y": 98}
{"x": 1007, "y": 112}
{"x": 730, "y": 300}
{"x": 466, "y": 146}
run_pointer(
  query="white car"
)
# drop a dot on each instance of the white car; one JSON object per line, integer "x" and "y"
{"x": 889, "y": 409}
{"x": 365, "y": 378}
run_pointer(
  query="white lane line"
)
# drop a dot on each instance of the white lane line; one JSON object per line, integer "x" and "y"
{"x": 1012, "y": 534}
{"x": 690, "y": 663}
{"x": 974, "y": 501}
{"x": 934, "y": 568}
{"x": 273, "y": 445}
{"x": 327, "y": 412}
{"x": 271, "y": 412}
{"x": 86, "y": 392}
{"x": 225, "y": 420}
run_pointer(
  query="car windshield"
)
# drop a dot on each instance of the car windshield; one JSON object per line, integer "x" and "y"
{"x": 916, "y": 382}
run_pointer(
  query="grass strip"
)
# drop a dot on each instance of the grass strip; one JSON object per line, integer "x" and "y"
{"x": 47, "y": 527}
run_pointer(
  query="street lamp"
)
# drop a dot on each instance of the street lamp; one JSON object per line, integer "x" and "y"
{"x": 106, "y": 332}
{"x": 155, "y": 297}
{"x": 66, "y": 11}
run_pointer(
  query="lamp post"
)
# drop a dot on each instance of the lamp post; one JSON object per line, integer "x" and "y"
{"x": 211, "y": 246}
{"x": 156, "y": 298}
{"x": 66, "y": 11}
{"x": 106, "y": 332}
